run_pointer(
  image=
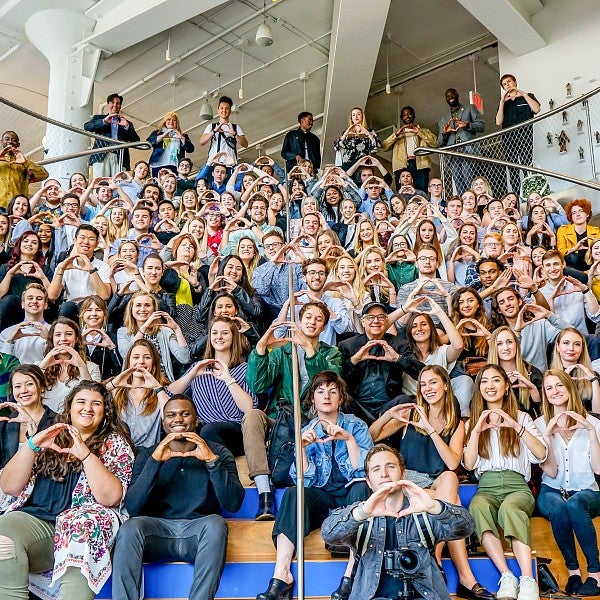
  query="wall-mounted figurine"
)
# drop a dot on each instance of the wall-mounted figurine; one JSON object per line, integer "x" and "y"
{"x": 563, "y": 139}
{"x": 597, "y": 134}
{"x": 579, "y": 126}
{"x": 581, "y": 155}
{"x": 565, "y": 117}
{"x": 551, "y": 103}
{"x": 549, "y": 138}
{"x": 568, "y": 89}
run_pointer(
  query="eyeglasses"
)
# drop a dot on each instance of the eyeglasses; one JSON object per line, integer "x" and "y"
{"x": 314, "y": 273}
{"x": 435, "y": 185}
{"x": 372, "y": 318}
{"x": 427, "y": 258}
{"x": 272, "y": 246}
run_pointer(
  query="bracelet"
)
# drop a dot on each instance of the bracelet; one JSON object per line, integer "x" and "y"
{"x": 94, "y": 270}
{"x": 403, "y": 311}
{"x": 432, "y": 433}
{"x": 536, "y": 290}
{"x": 86, "y": 456}
{"x": 30, "y": 443}
{"x": 595, "y": 378}
{"x": 587, "y": 289}
{"x": 230, "y": 382}
{"x": 160, "y": 389}
{"x": 520, "y": 434}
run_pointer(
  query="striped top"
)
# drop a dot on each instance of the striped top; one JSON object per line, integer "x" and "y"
{"x": 213, "y": 399}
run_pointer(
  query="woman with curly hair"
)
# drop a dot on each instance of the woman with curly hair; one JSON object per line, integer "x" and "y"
{"x": 69, "y": 480}
{"x": 572, "y": 240}
{"x": 65, "y": 362}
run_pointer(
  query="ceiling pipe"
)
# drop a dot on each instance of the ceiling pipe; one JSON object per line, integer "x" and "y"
{"x": 232, "y": 81}
{"x": 196, "y": 49}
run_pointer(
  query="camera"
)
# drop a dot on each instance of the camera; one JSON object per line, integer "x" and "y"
{"x": 402, "y": 562}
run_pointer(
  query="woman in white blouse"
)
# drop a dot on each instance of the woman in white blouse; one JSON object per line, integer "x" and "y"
{"x": 569, "y": 497}
{"x": 502, "y": 443}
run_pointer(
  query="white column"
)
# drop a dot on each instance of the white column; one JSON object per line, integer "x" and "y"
{"x": 54, "y": 33}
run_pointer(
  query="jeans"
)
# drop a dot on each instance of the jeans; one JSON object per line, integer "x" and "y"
{"x": 573, "y": 518}
{"x": 26, "y": 545}
{"x": 202, "y": 541}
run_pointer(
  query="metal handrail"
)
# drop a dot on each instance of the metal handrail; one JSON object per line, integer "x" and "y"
{"x": 496, "y": 161}
{"x": 104, "y": 149}
{"x": 539, "y": 117}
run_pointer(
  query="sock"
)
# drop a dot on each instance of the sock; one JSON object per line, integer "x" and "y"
{"x": 262, "y": 483}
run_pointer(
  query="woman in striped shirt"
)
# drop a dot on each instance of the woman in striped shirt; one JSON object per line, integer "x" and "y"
{"x": 218, "y": 385}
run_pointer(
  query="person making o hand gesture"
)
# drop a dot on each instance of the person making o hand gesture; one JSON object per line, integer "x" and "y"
{"x": 334, "y": 446}
{"x": 502, "y": 443}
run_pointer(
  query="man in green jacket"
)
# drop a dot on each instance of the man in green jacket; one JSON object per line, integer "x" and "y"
{"x": 270, "y": 366}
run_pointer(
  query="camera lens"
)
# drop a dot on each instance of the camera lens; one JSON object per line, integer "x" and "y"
{"x": 409, "y": 561}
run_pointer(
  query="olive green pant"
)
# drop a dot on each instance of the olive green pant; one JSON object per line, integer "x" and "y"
{"x": 503, "y": 498}
{"x": 27, "y": 545}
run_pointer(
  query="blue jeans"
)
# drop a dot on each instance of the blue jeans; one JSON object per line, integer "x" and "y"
{"x": 201, "y": 541}
{"x": 573, "y": 518}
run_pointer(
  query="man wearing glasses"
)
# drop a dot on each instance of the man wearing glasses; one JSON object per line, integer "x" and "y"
{"x": 315, "y": 273}
{"x": 270, "y": 280}
{"x": 427, "y": 284}
{"x": 374, "y": 363}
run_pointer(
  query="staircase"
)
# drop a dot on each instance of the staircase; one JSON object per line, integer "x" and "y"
{"x": 251, "y": 558}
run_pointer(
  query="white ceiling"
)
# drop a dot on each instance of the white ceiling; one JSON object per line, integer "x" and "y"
{"x": 430, "y": 42}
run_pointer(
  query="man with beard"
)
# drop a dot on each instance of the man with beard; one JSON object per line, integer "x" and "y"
{"x": 460, "y": 124}
{"x": 404, "y": 141}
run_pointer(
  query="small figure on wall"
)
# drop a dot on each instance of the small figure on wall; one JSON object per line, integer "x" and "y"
{"x": 581, "y": 153}
{"x": 551, "y": 103}
{"x": 563, "y": 140}
{"x": 568, "y": 89}
{"x": 579, "y": 126}
{"x": 549, "y": 138}
{"x": 597, "y": 134}
{"x": 565, "y": 117}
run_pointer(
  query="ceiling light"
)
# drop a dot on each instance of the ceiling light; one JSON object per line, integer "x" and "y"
{"x": 206, "y": 111}
{"x": 264, "y": 35}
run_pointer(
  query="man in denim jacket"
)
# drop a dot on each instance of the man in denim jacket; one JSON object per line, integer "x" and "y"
{"x": 419, "y": 520}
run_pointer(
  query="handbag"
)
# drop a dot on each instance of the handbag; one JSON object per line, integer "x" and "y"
{"x": 280, "y": 445}
{"x": 474, "y": 364}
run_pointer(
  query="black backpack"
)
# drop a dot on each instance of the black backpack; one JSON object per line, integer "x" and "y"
{"x": 280, "y": 445}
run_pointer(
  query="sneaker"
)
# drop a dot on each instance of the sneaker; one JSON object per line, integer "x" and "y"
{"x": 528, "y": 589}
{"x": 507, "y": 587}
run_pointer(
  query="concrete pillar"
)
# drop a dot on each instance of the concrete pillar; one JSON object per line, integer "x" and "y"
{"x": 54, "y": 33}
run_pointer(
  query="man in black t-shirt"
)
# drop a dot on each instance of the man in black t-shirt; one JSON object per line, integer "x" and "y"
{"x": 515, "y": 107}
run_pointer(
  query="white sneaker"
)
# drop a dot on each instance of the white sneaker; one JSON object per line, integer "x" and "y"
{"x": 528, "y": 589}
{"x": 507, "y": 589}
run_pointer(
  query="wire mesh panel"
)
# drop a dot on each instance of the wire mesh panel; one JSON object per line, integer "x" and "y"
{"x": 566, "y": 140}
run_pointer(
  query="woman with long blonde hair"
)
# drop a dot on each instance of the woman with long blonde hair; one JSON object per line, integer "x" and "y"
{"x": 169, "y": 144}
{"x": 365, "y": 236}
{"x": 571, "y": 354}
{"x": 526, "y": 379}
{"x": 569, "y": 497}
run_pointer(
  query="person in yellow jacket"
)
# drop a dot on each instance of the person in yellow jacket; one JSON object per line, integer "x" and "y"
{"x": 573, "y": 240}
{"x": 404, "y": 141}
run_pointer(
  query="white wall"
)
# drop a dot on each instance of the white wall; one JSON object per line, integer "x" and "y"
{"x": 570, "y": 29}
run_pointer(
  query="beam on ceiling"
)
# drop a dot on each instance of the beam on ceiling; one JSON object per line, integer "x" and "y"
{"x": 355, "y": 40}
{"x": 132, "y": 21}
{"x": 509, "y": 21}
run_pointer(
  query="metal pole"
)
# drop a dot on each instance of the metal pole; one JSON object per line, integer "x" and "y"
{"x": 297, "y": 422}
{"x": 54, "y": 159}
{"x": 496, "y": 161}
{"x": 586, "y": 104}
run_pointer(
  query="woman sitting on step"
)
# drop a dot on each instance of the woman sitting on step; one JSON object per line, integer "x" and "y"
{"x": 569, "y": 497}
{"x": 334, "y": 446}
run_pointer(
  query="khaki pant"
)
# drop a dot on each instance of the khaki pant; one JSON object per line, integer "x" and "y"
{"x": 255, "y": 427}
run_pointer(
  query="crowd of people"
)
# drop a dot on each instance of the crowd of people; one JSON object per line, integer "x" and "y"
{"x": 146, "y": 340}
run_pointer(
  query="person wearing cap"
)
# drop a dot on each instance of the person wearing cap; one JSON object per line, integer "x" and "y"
{"x": 373, "y": 364}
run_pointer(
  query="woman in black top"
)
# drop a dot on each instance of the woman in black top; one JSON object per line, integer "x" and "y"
{"x": 431, "y": 440}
